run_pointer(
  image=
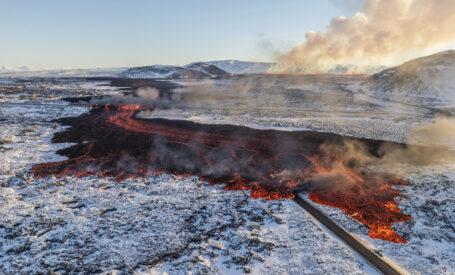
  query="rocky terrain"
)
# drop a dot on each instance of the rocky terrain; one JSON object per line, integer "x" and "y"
{"x": 323, "y": 103}
{"x": 335, "y": 104}
{"x": 169, "y": 224}
{"x": 161, "y": 224}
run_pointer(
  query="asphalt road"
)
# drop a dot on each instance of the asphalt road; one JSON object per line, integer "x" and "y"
{"x": 364, "y": 252}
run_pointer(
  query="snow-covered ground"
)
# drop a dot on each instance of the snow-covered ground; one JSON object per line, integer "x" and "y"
{"x": 431, "y": 233}
{"x": 335, "y": 106}
{"x": 156, "y": 225}
{"x": 166, "y": 224}
{"x": 330, "y": 104}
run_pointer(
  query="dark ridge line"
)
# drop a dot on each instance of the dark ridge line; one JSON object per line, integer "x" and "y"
{"x": 368, "y": 255}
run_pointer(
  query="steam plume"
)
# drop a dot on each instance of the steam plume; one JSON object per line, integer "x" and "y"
{"x": 145, "y": 96}
{"x": 441, "y": 131}
{"x": 434, "y": 139}
{"x": 386, "y": 32}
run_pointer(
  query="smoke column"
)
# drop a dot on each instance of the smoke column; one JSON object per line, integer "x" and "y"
{"x": 386, "y": 32}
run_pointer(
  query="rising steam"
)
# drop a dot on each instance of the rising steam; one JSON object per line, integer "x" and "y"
{"x": 441, "y": 131}
{"x": 435, "y": 147}
{"x": 144, "y": 96}
{"x": 386, "y": 32}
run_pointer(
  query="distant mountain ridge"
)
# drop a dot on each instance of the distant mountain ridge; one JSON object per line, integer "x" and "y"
{"x": 241, "y": 67}
{"x": 208, "y": 69}
{"x": 161, "y": 71}
{"x": 30, "y": 72}
{"x": 425, "y": 76}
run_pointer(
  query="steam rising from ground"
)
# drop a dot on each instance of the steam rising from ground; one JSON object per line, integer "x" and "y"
{"x": 431, "y": 151}
{"x": 433, "y": 137}
{"x": 434, "y": 140}
{"x": 145, "y": 96}
{"x": 386, "y": 32}
{"x": 334, "y": 180}
{"x": 441, "y": 131}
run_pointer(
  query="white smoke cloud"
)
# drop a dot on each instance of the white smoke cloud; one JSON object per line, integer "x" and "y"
{"x": 433, "y": 147}
{"x": 440, "y": 132}
{"x": 386, "y": 32}
{"x": 144, "y": 96}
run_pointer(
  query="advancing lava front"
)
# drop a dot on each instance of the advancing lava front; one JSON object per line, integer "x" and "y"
{"x": 111, "y": 142}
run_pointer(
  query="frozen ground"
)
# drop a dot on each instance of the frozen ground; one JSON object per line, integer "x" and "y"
{"x": 145, "y": 226}
{"x": 165, "y": 224}
{"x": 330, "y": 104}
{"x": 431, "y": 233}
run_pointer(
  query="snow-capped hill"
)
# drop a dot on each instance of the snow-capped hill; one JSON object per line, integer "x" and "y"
{"x": 160, "y": 71}
{"x": 198, "y": 70}
{"x": 208, "y": 69}
{"x": 241, "y": 67}
{"x": 431, "y": 78}
{"x": 195, "y": 70}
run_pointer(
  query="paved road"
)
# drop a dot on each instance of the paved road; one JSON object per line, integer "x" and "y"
{"x": 364, "y": 252}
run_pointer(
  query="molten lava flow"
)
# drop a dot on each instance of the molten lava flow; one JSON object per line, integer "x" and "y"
{"x": 110, "y": 142}
{"x": 366, "y": 200}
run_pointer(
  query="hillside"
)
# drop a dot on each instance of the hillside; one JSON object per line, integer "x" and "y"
{"x": 428, "y": 80}
{"x": 208, "y": 69}
{"x": 196, "y": 70}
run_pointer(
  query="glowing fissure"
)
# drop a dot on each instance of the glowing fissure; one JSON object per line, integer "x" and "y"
{"x": 272, "y": 164}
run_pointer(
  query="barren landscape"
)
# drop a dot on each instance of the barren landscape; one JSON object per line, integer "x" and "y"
{"x": 176, "y": 174}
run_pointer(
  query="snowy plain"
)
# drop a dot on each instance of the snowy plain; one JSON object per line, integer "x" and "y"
{"x": 164, "y": 224}
{"x": 157, "y": 225}
{"x": 338, "y": 106}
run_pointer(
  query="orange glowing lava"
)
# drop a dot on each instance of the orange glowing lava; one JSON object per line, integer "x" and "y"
{"x": 111, "y": 142}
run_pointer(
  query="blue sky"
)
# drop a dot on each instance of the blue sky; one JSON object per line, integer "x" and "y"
{"x": 110, "y": 33}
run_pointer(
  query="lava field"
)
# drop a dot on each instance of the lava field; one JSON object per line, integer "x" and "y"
{"x": 111, "y": 142}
